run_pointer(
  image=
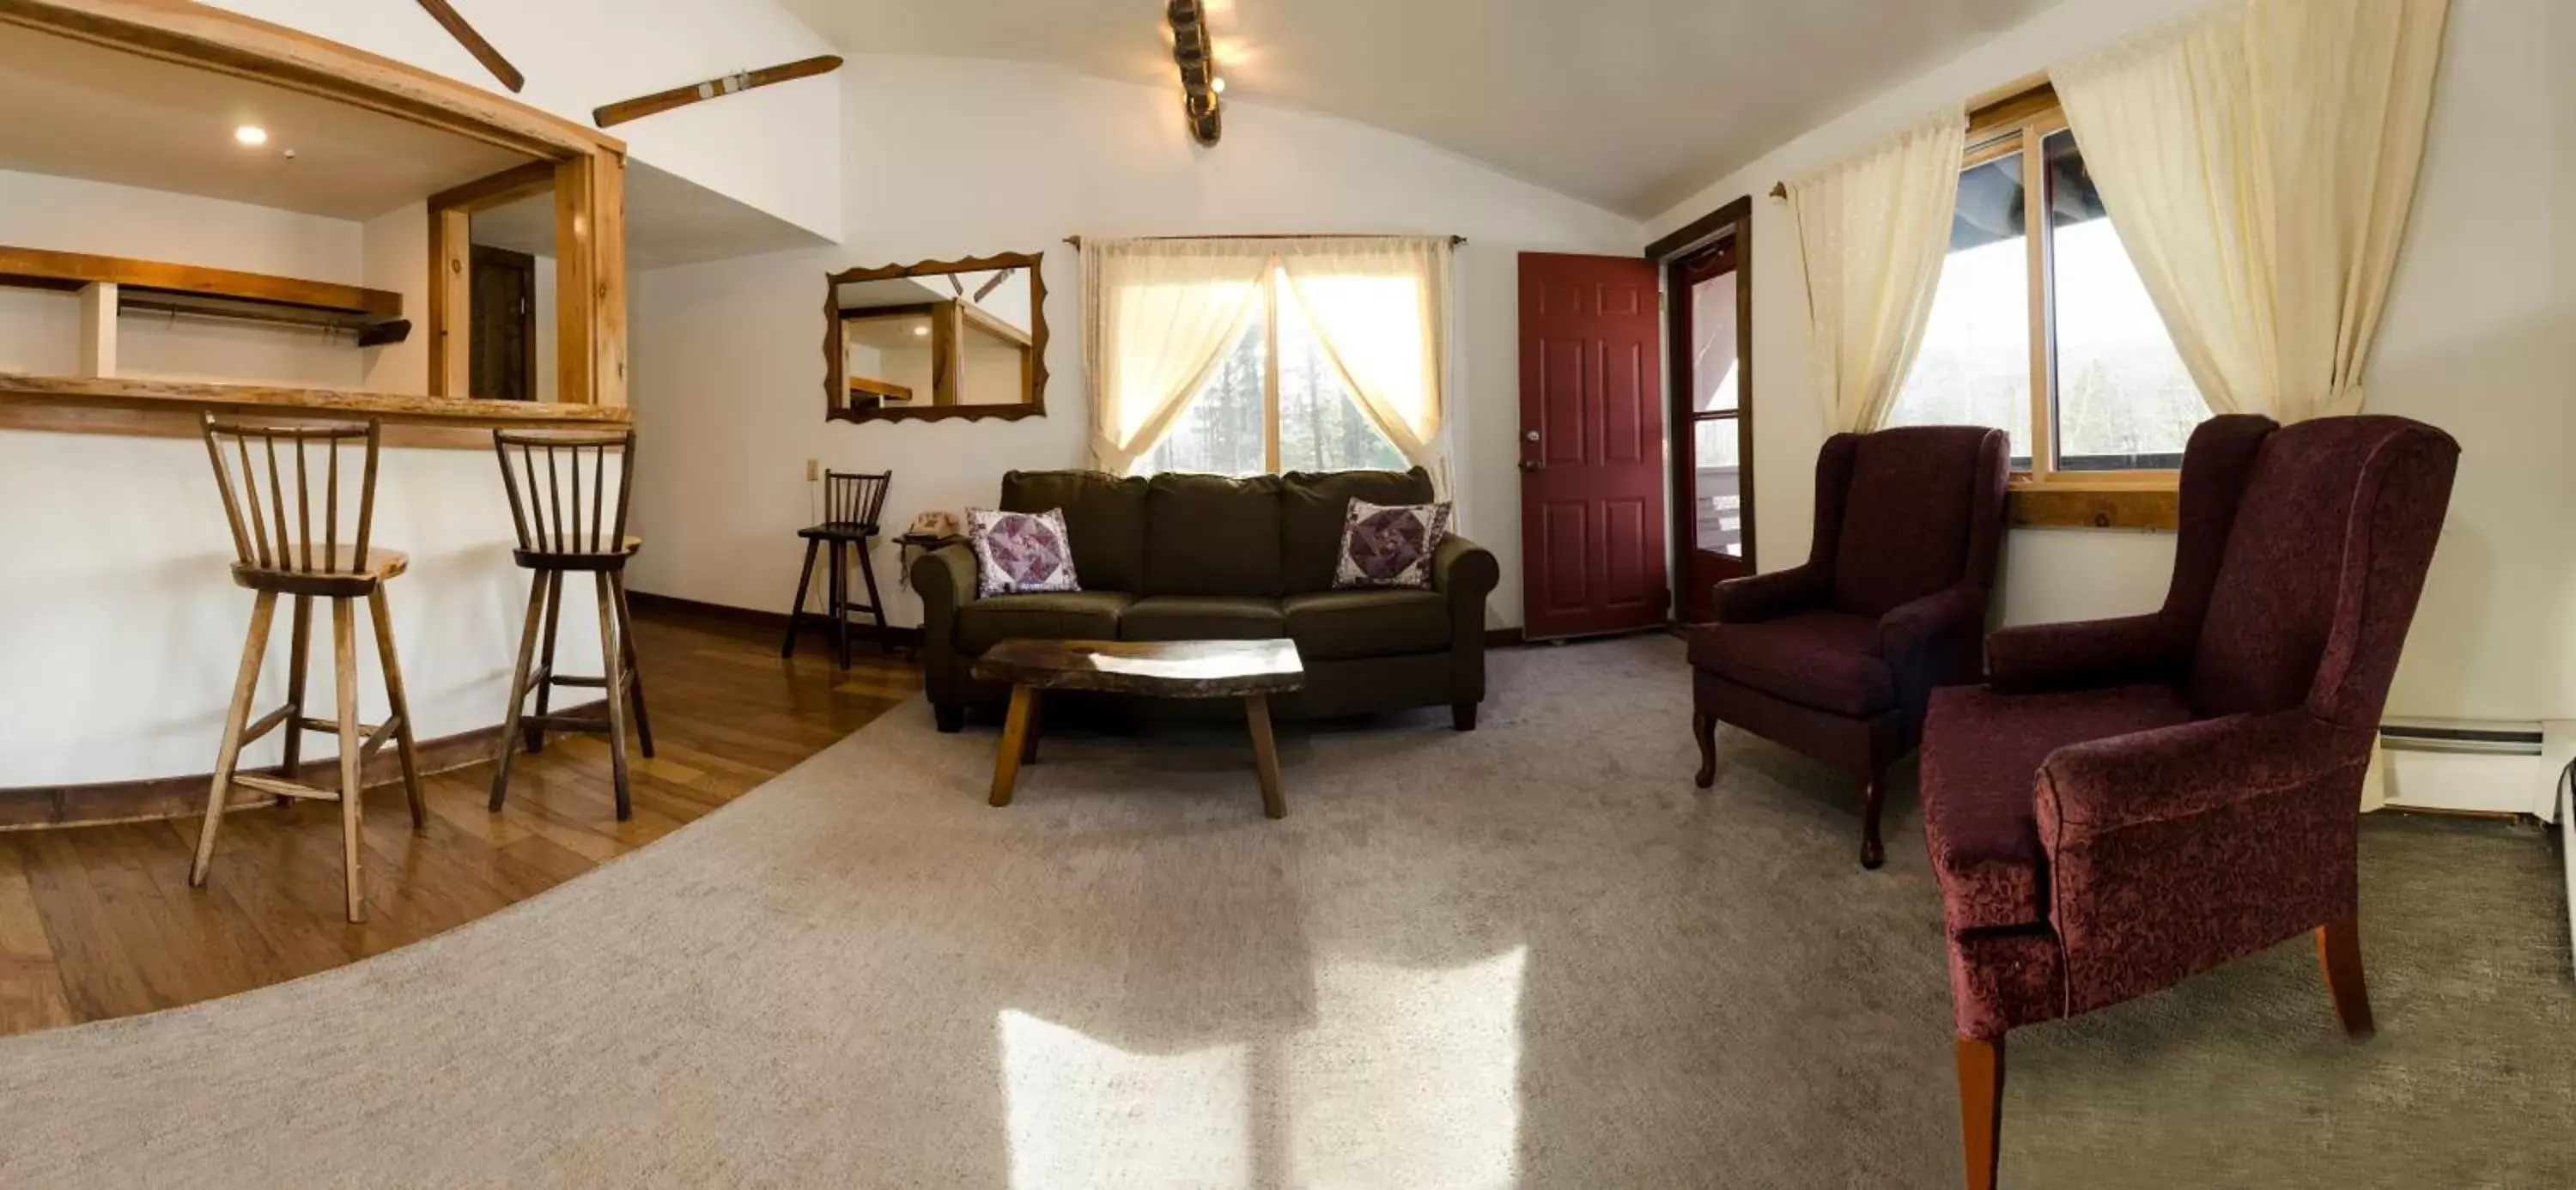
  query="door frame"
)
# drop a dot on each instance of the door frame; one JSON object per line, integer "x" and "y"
{"x": 1734, "y": 219}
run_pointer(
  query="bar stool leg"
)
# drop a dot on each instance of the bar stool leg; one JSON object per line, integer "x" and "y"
{"x": 613, "y": 663}
{"x": 509, "y": 745}
{"x": 841, "y": 601}
{"x": 245, "y": 688}
{"x": 634, "y": 672}
{"x": 876, "y": 605}
{"x": 796, "y": 614}
{"x": 400, "y": 703}
{"x": 299, "y": 659}
{"x": 545, "y": 676}
{"x": 353, "y": 793}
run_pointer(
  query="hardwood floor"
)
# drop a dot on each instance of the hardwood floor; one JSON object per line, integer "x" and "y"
{"x": 99, "y": 922}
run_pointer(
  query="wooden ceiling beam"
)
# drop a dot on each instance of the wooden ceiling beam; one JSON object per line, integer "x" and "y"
{"x": 658, "y": 102}
{"x": 465, "y": 34}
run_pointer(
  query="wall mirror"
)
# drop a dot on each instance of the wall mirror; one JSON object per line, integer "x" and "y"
{"x": 939, "y": 339}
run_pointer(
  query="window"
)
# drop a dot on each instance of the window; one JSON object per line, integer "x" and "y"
{"x": 1274, "y": 403}
{"x": 2042, "y": 326}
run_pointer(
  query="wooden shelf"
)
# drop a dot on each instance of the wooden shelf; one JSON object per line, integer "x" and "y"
{"x": 373, "y": 315}
{"x": 181, "y": 396}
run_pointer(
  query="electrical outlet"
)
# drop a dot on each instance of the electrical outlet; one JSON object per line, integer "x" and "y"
{"x": 813, "y": 470}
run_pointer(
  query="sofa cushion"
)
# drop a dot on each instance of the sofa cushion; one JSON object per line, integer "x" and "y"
{"x": 1312, "y": 506}
{"x": 1104, "y": 519}
{"x": 1055, "y": 615}
{"x": 1981, "y": 758}
{"x": 1825, "y": 660}
{"x": 1202, "y": 617}
{"x": 1343, "y": 625}
{"x": 1211, "y": 535}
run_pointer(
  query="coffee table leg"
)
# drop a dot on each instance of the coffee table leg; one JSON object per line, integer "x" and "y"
{"x": 1015, "y": 734}
{"x": 1265, "y": 754}
{"x": 1037, "y": 725}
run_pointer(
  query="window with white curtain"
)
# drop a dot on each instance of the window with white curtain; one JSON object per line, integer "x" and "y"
{"x": 2041, "y": 325}
{"x": 1275, "y": 402}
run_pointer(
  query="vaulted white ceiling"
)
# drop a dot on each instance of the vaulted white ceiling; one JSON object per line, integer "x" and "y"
{"x": 1630, "y": 104}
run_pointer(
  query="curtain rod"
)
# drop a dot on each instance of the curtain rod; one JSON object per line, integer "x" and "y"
{"x": 1454, "y": 241}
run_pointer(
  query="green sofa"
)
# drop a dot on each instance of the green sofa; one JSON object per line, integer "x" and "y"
{"x": 1205, "y": 557}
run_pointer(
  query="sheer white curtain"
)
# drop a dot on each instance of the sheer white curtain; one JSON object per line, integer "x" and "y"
{"x": 1872, "y": 232}
{"x": 1379, "y": 305}
{"x": 1157, "y": 316}
{"x": 2259, "y": 162}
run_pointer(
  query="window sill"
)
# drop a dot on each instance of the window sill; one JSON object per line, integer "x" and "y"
{"x": 2096, "y": 504}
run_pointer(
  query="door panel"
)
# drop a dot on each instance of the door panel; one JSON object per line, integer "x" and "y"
{"x": 1592, "y": 458}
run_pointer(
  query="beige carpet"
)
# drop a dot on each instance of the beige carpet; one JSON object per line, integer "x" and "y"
{"x": 1533, "y": 954}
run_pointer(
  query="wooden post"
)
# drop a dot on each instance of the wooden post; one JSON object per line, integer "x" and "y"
{"x": 98, "y": 330}
{"x": 590, "y": 280}
{"x": 451, "y": 303}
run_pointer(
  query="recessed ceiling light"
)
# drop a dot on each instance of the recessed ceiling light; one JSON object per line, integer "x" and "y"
{"x": 1219, "y": 84}
{"x": 921, "y": 330}
{"x": 251, "y": 134}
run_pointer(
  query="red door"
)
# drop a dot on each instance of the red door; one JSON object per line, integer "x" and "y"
{"x": 1592, "y": 433}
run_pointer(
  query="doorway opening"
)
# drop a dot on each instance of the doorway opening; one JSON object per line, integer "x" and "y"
{"x": 1708, "y": 350}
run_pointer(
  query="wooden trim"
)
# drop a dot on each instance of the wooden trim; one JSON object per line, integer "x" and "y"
{"x": 2043, "y": 311}
{"x": 42, "y": 268}
{"x": 1505, "y": 638}
{"x": 214, "y": 39}
{"x": 2068, "y": 505}
{"x": 1703, "y": 231}
{"x": 991, "y": 324}
{"x": 50, "y": 807}
{"x": 880, "y": 388}
{"x": 190, "y": 397}
{"x": 498, "y": 190}
{"x": 474, "y": 43}
{"x": 1270, "y": 428}
{"x": 947, "y": 360}
{"x": 451, "y": 303}
{"x": 609, "y": 115}
{"x": 837, "y": 403}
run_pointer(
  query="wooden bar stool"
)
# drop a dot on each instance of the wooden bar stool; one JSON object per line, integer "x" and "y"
{"x": 851, "y": 504}
{"x": 559, "y": 483}
{"x": 277, "y": 555}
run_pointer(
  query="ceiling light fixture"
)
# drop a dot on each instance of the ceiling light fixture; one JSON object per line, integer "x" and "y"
{"x": 922, "y": 329}
{"x": 251, "y": 135}
{"x": 1192, "y": 53}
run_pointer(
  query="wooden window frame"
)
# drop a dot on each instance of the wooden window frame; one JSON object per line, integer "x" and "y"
{"x": 2045, "y": 496}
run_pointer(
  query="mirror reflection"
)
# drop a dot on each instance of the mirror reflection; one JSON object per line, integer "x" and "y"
{"x": 938, "y": 339}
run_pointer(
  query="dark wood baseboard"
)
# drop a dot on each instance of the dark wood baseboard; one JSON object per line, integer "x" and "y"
{"x": 1505, "y": 638}
{"x": 42, "y": 807}
{"x": 896, "y": 636}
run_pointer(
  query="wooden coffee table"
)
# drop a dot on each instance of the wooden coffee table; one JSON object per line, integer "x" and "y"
{"x": 1251, "y": 670}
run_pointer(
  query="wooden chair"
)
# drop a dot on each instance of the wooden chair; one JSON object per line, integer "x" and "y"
{"x": 277, "y": 554}
{"x": 851, "y": 505}
{"x": 570, "y": 521}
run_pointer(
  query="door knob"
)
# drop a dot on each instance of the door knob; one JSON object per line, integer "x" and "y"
{"x": 1532, "y": 465}
{"x": 1531, "y": 435}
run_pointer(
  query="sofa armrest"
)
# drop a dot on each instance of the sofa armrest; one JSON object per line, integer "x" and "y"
{"x": 2087, "y": 654}
{"x": 1467, "y": 573}
{"x": 945, "y": 580}
{"x": 2175, "y": 850}
{"x": 1760, "y": 597}
{"x": 1947, "y": 624}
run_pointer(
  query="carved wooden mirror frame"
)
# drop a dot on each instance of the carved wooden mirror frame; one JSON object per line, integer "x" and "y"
{"x": 838, "y": 405}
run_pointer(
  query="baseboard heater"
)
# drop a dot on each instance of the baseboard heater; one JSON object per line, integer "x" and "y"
{"x": 2481, "y": 767}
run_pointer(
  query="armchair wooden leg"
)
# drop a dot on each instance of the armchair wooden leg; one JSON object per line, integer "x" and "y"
{"x": 1704, "y": 729}
{"x": 2339, "y": 954}
{"x": 1873, "y": 798}
{"x": 1981, "y": 1108}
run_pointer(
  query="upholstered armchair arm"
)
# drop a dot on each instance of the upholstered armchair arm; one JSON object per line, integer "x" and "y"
{"x": 2083, "y": 655}
{"x": 945, "y": 580}
{"x": 1944, "y": 623}
{"x": 1760, "y": 597}
{"x": 2174, "y": 850}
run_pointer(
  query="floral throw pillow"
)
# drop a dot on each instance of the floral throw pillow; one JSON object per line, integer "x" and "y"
{"x": 1020, "y": 552}
{"x": 1390, "y": 546}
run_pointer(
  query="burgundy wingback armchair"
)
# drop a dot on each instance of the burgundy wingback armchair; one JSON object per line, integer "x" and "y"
{"x": 2133, "y": 801}
{"x": 1835, "y": 658}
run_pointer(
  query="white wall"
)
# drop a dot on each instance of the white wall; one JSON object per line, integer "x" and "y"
{"x": 757, "y": 147}
{"x": 730, "y": 376}
{"x": 2480, "y": 339}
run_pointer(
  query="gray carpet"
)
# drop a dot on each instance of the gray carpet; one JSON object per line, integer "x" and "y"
{"x": 1533, "y": 954}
